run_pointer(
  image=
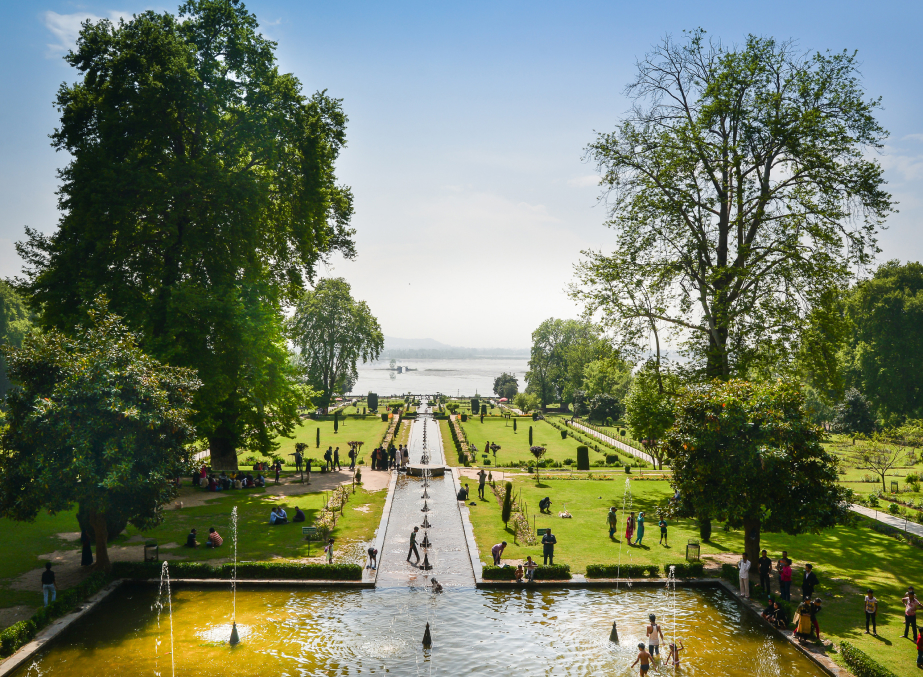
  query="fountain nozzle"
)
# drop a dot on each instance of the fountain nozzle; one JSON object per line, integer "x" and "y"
{"x": 614, "y": 635}
{"x": 235, "y": 638}
{"x": 427, "y": 638}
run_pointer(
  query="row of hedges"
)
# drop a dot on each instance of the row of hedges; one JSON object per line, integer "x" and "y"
{"x": 681, "y": 570}
{"x": 245, "y": 570}
{"x": 555, "y": 572}
{"x": 595, "y": 443}
{"x": 67, "y": 600}
{"x": 860, "y": 664}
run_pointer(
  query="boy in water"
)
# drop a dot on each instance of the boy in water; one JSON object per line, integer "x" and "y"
{"x": 674, "y": 652}
{"x": 645, "y": 658}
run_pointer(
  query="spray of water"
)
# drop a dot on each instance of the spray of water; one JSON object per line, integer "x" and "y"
{"x": 626, "y": 506}
{"x": 164, "y": 588}
{"x": 234, "y": 575}
{"x": 767, "y": 660}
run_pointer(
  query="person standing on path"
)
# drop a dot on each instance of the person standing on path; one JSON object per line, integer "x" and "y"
{"x": 640, "y": 536}
{"x": 744, "y": 568}
{"x": 48, "y": 584}
{"x": 352, "y": 458}
{"x": 810, "y": 582}
{"x": 871, "y": 609}
{"x": 785, "y": 580}
{"x": 663, "y": 531}
{"x": 328, "y": 458}
{"x": 329, "y": 550}
{"x": 765, "y": 566}
{"x": 497, "y": 552}
{"x": 630, "y": 528}
{"x": 278, "y": 471}
{"x": 654, "y": 635}
{"x": 612, "y": 517}
{"x": 548, "y": 543}
{"x": 482, "y": 478}
{"x": 781, "y": 563}
{"x": 336, "y": 459}
{"x": 911, "y": 604}
{"x": 406, "y": 457}
{"x": 413, "y": 545}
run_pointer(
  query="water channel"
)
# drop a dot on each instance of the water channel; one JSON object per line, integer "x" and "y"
{"x": 289, "y": 632}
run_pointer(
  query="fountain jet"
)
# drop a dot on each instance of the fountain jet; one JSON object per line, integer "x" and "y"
{"x": 614, "y": 635}
{"x": 427, "y": 638}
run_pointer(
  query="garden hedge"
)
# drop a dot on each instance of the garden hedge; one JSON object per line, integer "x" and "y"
{"x": 860, "y": 664}
{"x": 556, "y": 572}
{"x": 22, "y": 632}
{"x": 245, "y": 570}
{"x": 623, "y": 571}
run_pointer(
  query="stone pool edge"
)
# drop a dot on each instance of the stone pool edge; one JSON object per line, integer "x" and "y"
{"x": 579, "y": 581}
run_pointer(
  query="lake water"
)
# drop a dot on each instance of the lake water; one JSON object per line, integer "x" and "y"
{"x": 447, "y": 376}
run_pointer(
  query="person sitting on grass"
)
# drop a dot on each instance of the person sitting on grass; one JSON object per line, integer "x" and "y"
{"x": 282, "y": 515}
{"x": 191, "y": 542}
{"x": 299, "y": 515}
{"x": 214, "y": 538}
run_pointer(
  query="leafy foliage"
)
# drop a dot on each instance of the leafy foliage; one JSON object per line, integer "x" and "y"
{"x": 506, "y": 385}
{"x": 95, "y": 421}
{"x": 604, "y": 406}
{"x": 199, "y": 197}
{"x": 740, "y": 189}
{"x": 649, "y": 407}
{"x": 853, "y": 414}
{"x": 748, "y": 454}
{"x": 15, "y": 322}
{"x": 561, "y": 349}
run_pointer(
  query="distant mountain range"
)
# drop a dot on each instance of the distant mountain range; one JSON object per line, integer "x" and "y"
{"x": 403, "y": 348}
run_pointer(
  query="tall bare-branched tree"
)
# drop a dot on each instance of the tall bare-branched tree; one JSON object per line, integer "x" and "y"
{"x": 740, "y": 189}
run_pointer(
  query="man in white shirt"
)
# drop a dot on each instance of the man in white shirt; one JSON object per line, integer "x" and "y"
{"x": 744, "y": 566}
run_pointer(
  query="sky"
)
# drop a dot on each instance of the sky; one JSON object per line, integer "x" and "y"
{"x": 467, "y": 128}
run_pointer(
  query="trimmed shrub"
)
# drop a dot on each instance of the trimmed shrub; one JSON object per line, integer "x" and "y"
{"x": 730, "y": 573}
{"x": 373, "y": 401}
{"x": 464, "y": 418}
{"x": 685, "y": 570}
{"x": 245, "y": 570}
{"x": 507, "y": 502}
{"x": 861, "y": 664}
{"x": 583, "y": 458}
{"x": 705, "y": 529}
{"x": 623, "y": 571}
{"x": 384, "y": 417}
{"x": 563, "y": 434}
{"x": 557, "y": 572}
{"x": 530, "y": 436}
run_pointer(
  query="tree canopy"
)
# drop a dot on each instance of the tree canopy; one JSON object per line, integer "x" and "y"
{"x": 332, "y": 332}
{"x": 15, "y": 321}
{"x": 199, "y": 197}
{"x": 740, "y": 188}
{"x": 561, "y": 350}
{"x": 94, "y": 421}
{"x": 506, "y": 385}
{"x": 649, "y": 408}
{"x": 747, "y": 453}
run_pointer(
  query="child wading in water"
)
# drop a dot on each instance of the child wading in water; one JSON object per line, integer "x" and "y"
{"x": 645, "y": 658}
{"x": 674, "y": 652}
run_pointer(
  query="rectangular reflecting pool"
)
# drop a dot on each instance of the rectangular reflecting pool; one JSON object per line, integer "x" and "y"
{"x": 370, "y": 632}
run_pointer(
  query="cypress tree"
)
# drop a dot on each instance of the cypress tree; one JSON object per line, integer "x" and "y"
{"x": 530, "y": 436}
{"x": 514, "y": 425}
{"x": 317, "y": 440}
{"x": 507, "y": 503}
{"x": 336, "y": 420}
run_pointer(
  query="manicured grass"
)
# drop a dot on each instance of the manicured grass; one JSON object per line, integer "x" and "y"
{"x": 368, "y": 429}
{"x": 514, "y": 447}
{"x": 257, "y": 540}
{"x": 847, "y": 559}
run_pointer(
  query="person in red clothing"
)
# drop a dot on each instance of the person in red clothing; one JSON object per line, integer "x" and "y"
{"x": 920, "y": 650}
{"x": 214, "y": 538}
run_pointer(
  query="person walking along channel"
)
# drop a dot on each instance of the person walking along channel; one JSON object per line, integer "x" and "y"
{"x": 413, "y": 545}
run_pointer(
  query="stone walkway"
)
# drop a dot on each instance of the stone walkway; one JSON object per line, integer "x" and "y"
{"x": 889, "y": 519}
{"x": 449, "y": 552}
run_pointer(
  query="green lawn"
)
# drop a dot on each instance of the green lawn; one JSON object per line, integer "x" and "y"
{"x": 368, "y": 429}
{"x": 847, "y": 559}
{"x": 257, "y": 540}
{"x": 514, "y": 446}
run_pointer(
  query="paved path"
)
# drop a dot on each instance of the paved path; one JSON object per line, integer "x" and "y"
{"x": 611, "y": 440}
{"x": 449, "y": 551}
{"x": 890, "y": 520}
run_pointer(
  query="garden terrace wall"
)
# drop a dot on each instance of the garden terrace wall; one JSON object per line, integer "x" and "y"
{"x": 245, "y": 570}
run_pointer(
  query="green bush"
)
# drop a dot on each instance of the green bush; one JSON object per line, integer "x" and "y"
{"x": 464, "y": 418}
{"x": 583, "y": 458}
{"x": 384, "y": 417}
{"x": 245, "y": 570}
{"x": 22, "y": 632}
{"x": 860, "y": 664}
{"x": 730, "y": 573}
{"x": 623, "y": 571}
{"x": 557, "y": 572}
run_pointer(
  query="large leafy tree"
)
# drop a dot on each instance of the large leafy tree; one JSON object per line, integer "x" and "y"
{"x": 884, "y": 359}
{"x": 506, "y": 385}
{"x": 94, "y": 421}
{"x": 748, "y": 453}
{"x": 649, "y": 407}
{"x": 15, "y": 321}
{"x": 199, "y": 197}
{"x": 332, "y": 332}
{"x": 740, "y": 188}
{"x": 561, "y": 349}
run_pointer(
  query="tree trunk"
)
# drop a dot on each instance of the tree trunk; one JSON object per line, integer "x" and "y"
{"x": 752, "y": 539}
{"x": 223, "y": 453}
{"x": 101, "y": 531}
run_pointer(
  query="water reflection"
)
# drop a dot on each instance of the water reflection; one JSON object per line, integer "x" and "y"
{"x": 286, "y": 632}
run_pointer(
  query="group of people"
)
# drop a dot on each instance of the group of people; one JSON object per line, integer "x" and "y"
{"x": 390, "y": 458}
{"x": 634, "y": 527}
{"x": 233, "y": 480}
{"x": 654, "y": 638}
{"x": 213, "y": 540}
{"x": 278, "y": 516}
{"x": 783, "y": 568}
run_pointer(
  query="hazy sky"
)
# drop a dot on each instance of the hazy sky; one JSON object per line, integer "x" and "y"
{"x": 467, "y": 127}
